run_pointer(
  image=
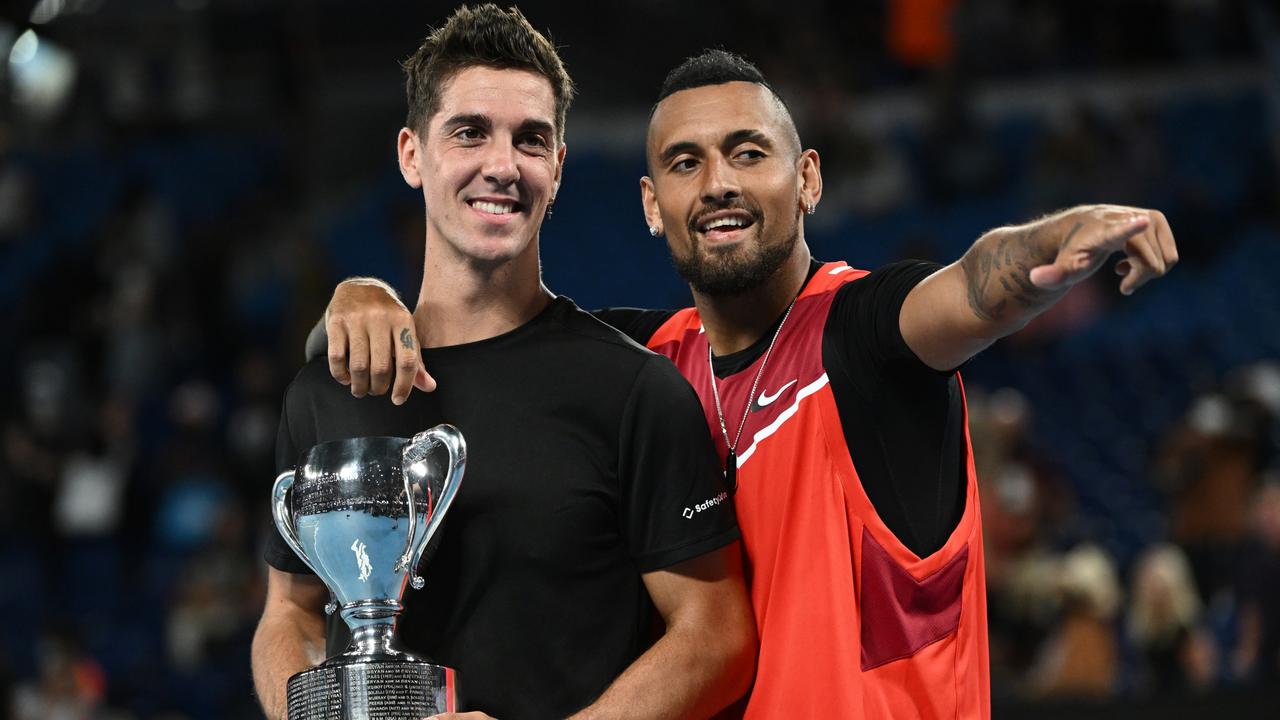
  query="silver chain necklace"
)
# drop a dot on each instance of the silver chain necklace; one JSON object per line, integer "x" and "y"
{"x": 731, "y": 460}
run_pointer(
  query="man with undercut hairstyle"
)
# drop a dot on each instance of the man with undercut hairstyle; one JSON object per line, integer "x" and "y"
{"x": 832, "y": 394}
{"x": 586, "y": 452}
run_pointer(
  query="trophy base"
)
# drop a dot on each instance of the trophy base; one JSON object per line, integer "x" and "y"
{"x": 371, "y": 691}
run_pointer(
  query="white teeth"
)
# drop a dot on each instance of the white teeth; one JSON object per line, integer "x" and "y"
{"x": 492, "y": 207}
{"x": 733, "y": 221}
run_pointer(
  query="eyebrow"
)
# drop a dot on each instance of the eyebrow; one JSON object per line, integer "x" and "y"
{"x": 675, "y": 149}
{"x": 484, "y": 122}
{"x": 737, "y": 137}
{"x": 477, "y": 119}
{"x": 537, "y": 126}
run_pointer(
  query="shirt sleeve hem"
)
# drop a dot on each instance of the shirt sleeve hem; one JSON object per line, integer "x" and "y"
{"x": 286, "y": 562}
{"x": 661, "y": 559}
{"x": 892, "y": 298}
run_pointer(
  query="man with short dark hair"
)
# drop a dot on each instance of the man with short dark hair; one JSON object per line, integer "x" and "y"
{"x": 833, "y": 397}
{"x": 586, "y": 453}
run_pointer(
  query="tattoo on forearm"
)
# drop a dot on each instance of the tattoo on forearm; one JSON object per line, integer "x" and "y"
{"x": 406, "y": 338}
{"x": 999, "y": 272}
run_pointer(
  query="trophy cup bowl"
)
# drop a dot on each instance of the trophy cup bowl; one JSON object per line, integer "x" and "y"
{"x": 360, "y": 513}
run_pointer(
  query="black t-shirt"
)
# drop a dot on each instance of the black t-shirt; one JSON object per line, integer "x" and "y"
{"x": 903, "y": 421}
{"x": 584, "y": 452}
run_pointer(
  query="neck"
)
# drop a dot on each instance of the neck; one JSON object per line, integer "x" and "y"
{"x": 463, "y": 300}
{"x": 735, "y": 322}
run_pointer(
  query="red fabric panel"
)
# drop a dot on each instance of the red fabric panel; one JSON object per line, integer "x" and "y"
{"x": 900, "y": 614}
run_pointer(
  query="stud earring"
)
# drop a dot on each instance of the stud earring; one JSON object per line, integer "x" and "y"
{"x": 810, "y": 208}
{"x": 653, "y": 230}
{"x": 550, "y": 205}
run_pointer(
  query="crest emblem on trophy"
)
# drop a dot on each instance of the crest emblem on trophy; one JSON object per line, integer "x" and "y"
{"x": 360, "y": 513}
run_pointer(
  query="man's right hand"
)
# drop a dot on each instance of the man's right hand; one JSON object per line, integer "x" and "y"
{"x": 373, "y": 346}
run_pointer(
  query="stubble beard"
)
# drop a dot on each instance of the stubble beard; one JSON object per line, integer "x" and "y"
{"x": 733, "y": 271}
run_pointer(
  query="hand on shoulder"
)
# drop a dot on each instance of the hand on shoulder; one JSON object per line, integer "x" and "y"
{"x": 373, "y": 346}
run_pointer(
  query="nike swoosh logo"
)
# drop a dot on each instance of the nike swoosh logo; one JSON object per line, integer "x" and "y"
{"x": 766, "y": 399}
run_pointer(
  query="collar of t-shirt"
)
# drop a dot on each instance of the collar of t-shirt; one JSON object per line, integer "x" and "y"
{"x": 736, "y": 362}
{"x": 558, "y": 307}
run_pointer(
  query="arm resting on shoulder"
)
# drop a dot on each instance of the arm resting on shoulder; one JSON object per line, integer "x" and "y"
{"x": 369, "y": 338}
{"x": 706, "y": 657}
{"x": 290, "y": 636}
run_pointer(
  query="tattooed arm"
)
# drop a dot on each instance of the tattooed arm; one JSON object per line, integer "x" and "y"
{"x": 1012, "y": 274}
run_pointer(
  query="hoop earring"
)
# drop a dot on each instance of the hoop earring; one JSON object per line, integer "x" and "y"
{"x": 550, "y": 205}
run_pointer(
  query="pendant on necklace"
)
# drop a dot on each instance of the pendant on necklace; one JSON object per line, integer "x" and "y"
{"x": 731, "y": 470}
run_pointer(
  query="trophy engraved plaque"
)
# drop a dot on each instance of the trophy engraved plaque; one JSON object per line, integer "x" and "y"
{"x": 360, "y": 512}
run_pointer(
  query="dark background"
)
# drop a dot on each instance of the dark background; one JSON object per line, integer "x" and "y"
{"x": 182, "y": 183}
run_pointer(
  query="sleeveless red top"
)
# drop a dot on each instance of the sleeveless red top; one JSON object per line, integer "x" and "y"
{"x": 851, "y": 623}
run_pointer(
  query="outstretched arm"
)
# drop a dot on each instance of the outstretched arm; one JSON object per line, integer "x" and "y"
{"x": 1012, "y": 274}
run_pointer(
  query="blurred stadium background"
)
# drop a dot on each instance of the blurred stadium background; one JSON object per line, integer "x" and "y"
{"x": 183, "y": 181}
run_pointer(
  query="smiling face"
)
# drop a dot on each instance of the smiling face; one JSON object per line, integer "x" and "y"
{"x": 488, "y": 163}
{"x": 728, "y": 184}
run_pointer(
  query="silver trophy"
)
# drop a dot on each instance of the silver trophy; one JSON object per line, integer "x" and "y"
{"x": 345, "y": 510}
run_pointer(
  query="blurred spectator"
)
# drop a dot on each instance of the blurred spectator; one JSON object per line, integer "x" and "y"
{"x": 960, "y": 160}
{"x": 1022, "y": 509}
{"x": 135, "y": 250}
{"x": 1258, "y": 388}
{"x": 1210, "y": 466}
{"x": 91, "y": 490}
{"x": 1257, "y": 654}
{"x": 69, "y": 685}
{"x": 1022, "y": 502}
{"x": 1082, "y": 657}
{"x": 193, "y": 484}
{"x": 89, "y": 496}
{"x": 215, "y": 599}
{"x": 1025, "y": 610}
{"x": 252, "y": 426}
{"x": 1174, "y": 652}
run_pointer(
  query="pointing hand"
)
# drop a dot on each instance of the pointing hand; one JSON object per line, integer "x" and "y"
{"x": 1093, "y": 233}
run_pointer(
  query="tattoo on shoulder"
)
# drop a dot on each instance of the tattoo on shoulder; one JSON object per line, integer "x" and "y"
{"x": 999, "y": 273}
{"x": 406, "y": 338}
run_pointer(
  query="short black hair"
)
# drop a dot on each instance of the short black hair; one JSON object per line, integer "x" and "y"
{"x": 713, "y": 66}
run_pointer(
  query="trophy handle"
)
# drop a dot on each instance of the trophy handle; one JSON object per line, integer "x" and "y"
{"x": 280, "y": 502}
{"x": 451, "y": 439}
